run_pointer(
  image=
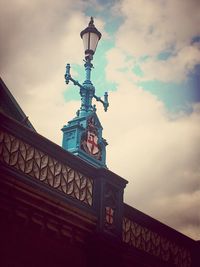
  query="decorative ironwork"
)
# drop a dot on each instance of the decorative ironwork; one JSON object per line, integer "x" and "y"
{"x": 151, "y": 242}
{"x": 34, "y": 163}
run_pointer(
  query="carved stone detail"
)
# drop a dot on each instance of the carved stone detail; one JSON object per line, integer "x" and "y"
{"x": 34, "y": 163}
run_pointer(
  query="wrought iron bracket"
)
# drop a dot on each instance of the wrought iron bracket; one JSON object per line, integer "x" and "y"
{"x": 104, "y": 102}
{"x": 87, "y": 84}
{"x": 68, "y": 77}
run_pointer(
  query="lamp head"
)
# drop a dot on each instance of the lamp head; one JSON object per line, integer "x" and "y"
{"x": 91, "y": 37}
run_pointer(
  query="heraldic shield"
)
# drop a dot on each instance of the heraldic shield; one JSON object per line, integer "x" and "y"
{"x": 89, "y": 140}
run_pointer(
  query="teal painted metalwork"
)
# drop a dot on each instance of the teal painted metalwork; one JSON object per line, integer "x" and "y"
{"x": 87, "y": 90}
{"x": 83, "y": 135}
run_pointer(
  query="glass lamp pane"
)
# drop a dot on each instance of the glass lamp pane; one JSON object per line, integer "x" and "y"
{"x": 93, "y": 41}
{"x": 85, "y": 38}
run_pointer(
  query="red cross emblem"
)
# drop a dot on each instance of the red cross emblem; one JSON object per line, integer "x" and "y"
{"x": 109, "y": 215}
{"x": 92, "y": 143}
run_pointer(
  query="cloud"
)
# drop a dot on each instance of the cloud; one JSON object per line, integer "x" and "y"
{"x": 175, "y": 69}
{"x": 183, "y": 211}
{"x": 119, "y": 67}
{"x": 32, "y": 32}
{"x": 153, "y": 27}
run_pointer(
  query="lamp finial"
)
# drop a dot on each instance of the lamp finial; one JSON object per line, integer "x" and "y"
{"x": 91, "y": 23}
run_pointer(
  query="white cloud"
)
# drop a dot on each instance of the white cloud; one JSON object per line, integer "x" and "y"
{"x": 151, "y": 27}
{"x": 38, "y": 35}
{"x": 175, "y": 68}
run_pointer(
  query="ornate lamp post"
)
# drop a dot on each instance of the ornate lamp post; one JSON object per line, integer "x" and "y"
{"x": 91, "y": 37}
{"x": 83, "y": 135}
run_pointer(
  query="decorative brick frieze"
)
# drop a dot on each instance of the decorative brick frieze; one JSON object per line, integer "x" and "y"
{"x": 36, "y": 164}
{"x": 155, "y": 244}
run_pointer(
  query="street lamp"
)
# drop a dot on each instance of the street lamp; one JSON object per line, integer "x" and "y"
{"x": 91, "y": 37}
{"x": 83, "y": 135}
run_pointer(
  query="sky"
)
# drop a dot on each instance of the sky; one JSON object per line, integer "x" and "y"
{"x": 148, "y": 60}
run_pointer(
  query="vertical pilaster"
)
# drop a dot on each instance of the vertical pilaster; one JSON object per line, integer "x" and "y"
{"x": 109, "y": 202}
